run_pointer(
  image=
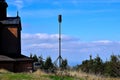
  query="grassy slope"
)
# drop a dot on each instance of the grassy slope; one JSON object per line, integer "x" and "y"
{"x": 39, "y": 75}
{"x": 85, "y": 76}
{"x": 24, "y": 76}
{"x": 6, "y": 75}
{"x": 21, "y": 76}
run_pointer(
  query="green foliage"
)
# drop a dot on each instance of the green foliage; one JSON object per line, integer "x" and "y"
{"x": 96, "y": 66}
{"x": 55, "y": 77}
{"x": 48, "y": 64}
{"x": 40, "y": 60}
{"x": 64, "y": 64}
{"x": 31, "y": 56}
{"x": 112, "y": 67}
{"x": 35, "y": 58}
{"x": 32, "y": 76}
{"x": 17, "y": 76}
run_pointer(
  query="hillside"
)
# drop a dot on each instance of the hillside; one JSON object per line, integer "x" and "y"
{"x": 39, "y": 75}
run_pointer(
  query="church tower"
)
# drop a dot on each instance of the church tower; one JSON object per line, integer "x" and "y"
{"x": 10, "y": 43}
{"x": 3, "y": 9}
{"x": 10, "y": 32}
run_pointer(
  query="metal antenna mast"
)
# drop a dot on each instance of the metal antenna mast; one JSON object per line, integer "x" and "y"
{"x": 59, "y": 57}
{"x": 60, "y": 21}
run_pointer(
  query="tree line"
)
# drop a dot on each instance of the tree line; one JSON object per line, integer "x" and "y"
{"x": 47, "y": 64}
{"x": 109, "y": 68}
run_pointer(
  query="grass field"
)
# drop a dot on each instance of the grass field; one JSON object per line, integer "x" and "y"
{"x": 39, "y": 75}
{"x": 85, "y": 76}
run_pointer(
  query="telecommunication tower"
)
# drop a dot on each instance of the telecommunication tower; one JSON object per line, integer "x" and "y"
{"x": 59, "y": 59}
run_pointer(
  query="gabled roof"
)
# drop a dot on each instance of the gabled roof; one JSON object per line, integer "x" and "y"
{"x": 5, "y": 58}
{"x": 23, "y": 58}
{"x": 11, "y": 21}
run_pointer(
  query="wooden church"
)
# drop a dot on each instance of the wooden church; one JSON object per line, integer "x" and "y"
{"x": 10, "y": 43}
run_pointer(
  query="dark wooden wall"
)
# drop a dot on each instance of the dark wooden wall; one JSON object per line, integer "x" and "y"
{"x": 7, "y": 65}
{"x": 23, "y": 66}
{"x": 10, "y": 41}
{"x": 19, "y": 66}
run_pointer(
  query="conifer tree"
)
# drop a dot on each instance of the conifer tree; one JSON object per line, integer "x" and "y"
{"x": 64, "y": 64}
{"x": 35, "y": 58}
{"x": 48, "y": 64}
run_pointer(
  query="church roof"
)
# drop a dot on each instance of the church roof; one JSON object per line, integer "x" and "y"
{"x": 5, "y": 58}
{"x": 18, "y": 58}
{"x": 11, "y": 20}
{"x": 23, "y": 58}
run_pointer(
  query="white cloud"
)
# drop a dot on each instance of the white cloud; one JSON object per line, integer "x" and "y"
{"x": 47, "y": 37}
{"x": 103, "y": 41}
{"x": 18, "y": 3}
{"x": 45, "y": 45}
{"x": 21, "y": 3}
{"x": 72, "y": 48}
{"x": 50, "y": 41}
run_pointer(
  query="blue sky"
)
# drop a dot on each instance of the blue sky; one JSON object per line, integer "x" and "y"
{"x": 88, "y": 27}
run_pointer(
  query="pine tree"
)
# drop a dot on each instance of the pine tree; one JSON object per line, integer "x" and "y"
{"x": 97, "y": 65}
{"x": 64, "y": 64}
{"x": 115, "y": 66}
{"x": 40, "y": 60}
{"x": 90, "y": 63}
{"x": 35, "y": 58}
{"x": 31, "y": 56}
{"x": 48, "y": 64}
